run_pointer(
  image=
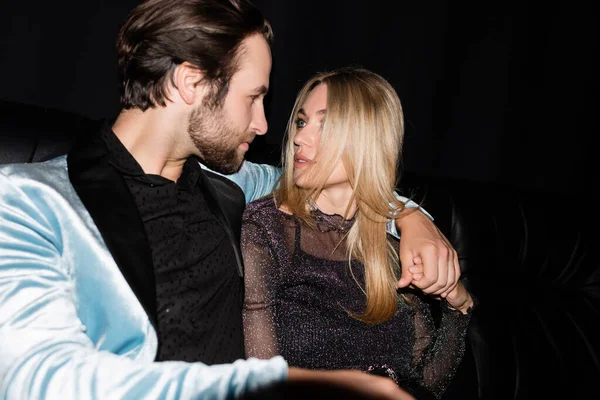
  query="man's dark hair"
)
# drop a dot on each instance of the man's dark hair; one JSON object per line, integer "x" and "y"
{"x": 158, "y": 35}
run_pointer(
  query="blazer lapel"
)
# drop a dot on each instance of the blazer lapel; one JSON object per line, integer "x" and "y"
{"x": 211, "y": 195}
{"x": 107, "y": 198}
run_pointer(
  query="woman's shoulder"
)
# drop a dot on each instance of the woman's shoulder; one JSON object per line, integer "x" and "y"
{"x": 260, "y": 209}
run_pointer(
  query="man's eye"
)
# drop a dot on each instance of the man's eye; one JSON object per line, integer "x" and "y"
{"x": 300, "y": 123}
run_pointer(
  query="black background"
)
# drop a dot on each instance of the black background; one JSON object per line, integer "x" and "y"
{"x": 492, "y": 91}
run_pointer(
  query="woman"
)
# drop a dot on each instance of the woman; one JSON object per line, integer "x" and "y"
{"x": 321, "y": 271}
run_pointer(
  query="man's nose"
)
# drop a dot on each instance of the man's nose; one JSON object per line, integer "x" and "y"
{"x": 259, "y": 123}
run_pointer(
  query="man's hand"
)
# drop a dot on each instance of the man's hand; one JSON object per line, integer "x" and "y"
{"x": 429, "y": 262}
{"x": 346, "y": 384}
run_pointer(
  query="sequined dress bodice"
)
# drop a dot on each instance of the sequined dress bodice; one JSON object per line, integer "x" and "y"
{"x": 301, "y": 292}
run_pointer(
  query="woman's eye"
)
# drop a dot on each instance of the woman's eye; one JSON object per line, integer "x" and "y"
{"x": 300, "y": 123}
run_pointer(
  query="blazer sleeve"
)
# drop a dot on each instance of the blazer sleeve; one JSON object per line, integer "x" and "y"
{"x": 45, "y": 352}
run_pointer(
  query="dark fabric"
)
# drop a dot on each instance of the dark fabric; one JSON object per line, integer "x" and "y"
{"x": 301, "y": 295}
{"x": 199, "y": 309}
{"x": 198, "y": 289}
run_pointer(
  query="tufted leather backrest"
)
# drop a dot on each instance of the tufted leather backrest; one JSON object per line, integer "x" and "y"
{"x": 32, "y": 133}
{"x": 531, "y": 260}
{"x": 530, "y": 257}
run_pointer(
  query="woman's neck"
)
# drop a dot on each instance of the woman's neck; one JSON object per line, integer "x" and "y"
{"x": 337, "y": 200}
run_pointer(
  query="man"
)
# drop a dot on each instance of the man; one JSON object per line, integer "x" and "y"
{"x": 121, "y": 260}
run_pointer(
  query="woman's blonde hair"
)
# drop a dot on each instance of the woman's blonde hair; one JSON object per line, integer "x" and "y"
{"x": 364, "y": 129}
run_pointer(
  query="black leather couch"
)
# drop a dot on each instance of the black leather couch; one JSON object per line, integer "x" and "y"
{"x": 529, "y": 256}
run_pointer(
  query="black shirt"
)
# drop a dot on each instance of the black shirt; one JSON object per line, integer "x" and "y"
{"x": 199, "y": 291}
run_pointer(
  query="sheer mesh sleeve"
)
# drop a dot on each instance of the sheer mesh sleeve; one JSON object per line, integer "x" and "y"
{"x": 437, "y": 351}
{"x": 259, "y": 330}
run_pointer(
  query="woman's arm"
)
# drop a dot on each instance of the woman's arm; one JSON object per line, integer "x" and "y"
{"x": 438, "y": 351}
{"x": 258, "y": 313}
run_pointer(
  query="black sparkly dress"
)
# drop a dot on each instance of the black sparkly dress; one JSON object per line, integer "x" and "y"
{"x": 299, "y": 289}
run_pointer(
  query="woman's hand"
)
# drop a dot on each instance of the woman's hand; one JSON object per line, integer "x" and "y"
{"x": 460, "y": 299}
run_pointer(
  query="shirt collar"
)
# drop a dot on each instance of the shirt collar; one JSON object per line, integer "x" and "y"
{"x": 121, "y": 159}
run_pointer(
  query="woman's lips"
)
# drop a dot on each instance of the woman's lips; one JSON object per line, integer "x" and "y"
{"x": 300, "y": 161}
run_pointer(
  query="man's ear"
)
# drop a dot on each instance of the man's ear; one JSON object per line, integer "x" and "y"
{"x": 187, "y": 78}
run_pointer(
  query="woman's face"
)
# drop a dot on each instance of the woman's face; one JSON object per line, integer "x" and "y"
{"x": 309, "y": 122}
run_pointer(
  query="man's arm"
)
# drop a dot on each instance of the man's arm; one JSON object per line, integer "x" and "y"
{"x": 255, "y": 180}
{"x": 45, "y": 352}
{"x": 258, "y": 180}
{"x": 393, "y": 224}
{"x": 429, "y": 262}
{"x": 424, "y": 250}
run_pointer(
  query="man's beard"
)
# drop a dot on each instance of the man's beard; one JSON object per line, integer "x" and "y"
{"x": 216, "y": 139}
